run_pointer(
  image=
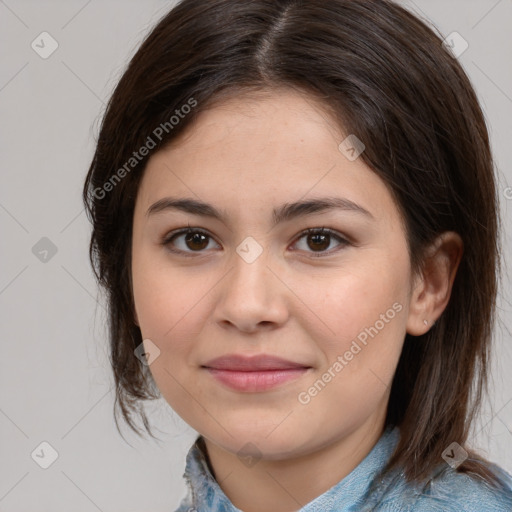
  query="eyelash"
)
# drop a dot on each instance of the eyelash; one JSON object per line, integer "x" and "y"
{"x": 321, "y": 231}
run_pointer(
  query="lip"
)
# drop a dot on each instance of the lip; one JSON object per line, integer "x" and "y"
{"x": 254, "y": 373}
{"x": 260, "y": 362}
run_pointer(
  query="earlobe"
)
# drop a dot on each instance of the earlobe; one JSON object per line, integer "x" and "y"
{"x": 432, "y": 289}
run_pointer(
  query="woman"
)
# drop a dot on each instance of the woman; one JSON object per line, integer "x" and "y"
{"x": 294, "y": 216}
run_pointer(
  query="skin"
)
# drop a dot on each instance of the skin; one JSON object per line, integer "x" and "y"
{"x": 246, "y": 156}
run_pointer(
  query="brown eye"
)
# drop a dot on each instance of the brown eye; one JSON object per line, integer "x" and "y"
{"x": 319, "y": 239}
{"x": 187, "y": 241}
{"x": 196, "y": 241}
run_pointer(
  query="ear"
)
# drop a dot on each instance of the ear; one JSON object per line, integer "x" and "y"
{"x": 432, "y": 288}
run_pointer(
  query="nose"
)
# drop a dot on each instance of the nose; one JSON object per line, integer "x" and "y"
{"x": 252, "y": 297}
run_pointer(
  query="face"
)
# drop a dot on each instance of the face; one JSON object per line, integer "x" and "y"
{"x": 251, "y": 281}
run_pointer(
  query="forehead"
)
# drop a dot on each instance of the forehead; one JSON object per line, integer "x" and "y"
{"x": 279, "y": 118}
{"x": 250, "y": 151}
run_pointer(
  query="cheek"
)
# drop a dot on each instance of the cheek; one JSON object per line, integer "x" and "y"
{"x": 342, "y": 303}
{"x": 359, "y": 327}
{"x": 173, "y": 305}
{"x": 160, "y": 292}
{"x": 166, "y": 303}
{"x": 169, "y": 310}
{"x": 359, "y": 360}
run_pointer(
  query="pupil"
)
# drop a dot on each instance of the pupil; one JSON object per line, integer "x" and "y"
{"x": 319, "y": 241}
{"x": 316, "y": 238}
{"x": 195, "y": 238}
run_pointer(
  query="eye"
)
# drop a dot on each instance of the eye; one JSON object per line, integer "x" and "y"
{"x": 319, "y": 239}
{"x": 194, "y": 239}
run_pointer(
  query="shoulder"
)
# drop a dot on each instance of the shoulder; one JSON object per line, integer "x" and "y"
{"x": 185, "y": 505}
{"x": 184, "y": 508}
{"x": 451, "y": 491}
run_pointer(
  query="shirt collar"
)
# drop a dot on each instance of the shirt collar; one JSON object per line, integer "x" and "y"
{"x": 363, "y": 483}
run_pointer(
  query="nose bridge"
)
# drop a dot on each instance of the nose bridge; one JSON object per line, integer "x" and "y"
{"x": 250, "y": 277}
{"x": 251, "y": 293}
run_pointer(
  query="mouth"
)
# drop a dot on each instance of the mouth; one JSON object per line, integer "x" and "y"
{"x": 254, "y": 374}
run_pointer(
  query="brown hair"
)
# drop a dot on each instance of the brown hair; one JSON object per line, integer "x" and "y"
{"x": 386, "y": 77}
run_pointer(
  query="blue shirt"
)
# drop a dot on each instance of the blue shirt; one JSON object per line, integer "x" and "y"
{"x": 360, "y": 491}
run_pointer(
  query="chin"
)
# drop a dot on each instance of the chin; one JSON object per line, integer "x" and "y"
{"x": 264, "y": 442}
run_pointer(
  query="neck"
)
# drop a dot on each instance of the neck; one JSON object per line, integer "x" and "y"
{"x": 286, "y": 485}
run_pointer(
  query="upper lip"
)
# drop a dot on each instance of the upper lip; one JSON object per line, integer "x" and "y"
{"x": 252, "y": 363}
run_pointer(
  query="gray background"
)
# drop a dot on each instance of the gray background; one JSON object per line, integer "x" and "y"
{"x": 55, "y": 382}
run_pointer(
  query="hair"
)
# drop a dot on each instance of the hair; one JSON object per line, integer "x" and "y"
{"x": 383, "y": 75}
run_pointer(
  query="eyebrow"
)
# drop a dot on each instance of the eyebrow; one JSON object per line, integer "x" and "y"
{"x": 283, "y": 213}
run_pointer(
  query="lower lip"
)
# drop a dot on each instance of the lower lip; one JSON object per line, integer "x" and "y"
{"x": 257, "y": 380}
